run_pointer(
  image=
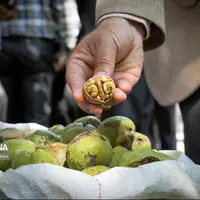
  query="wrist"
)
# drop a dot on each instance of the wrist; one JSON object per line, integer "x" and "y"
{"x": 138, "y": 29}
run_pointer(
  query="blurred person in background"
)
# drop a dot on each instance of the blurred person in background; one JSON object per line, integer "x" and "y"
{"x": 7, "y": 10}
{"x": 31, "y": 45}
{"x": 162, "y": 127}
{"x": 85, "y": 11}
{"x": 62, "y": 104}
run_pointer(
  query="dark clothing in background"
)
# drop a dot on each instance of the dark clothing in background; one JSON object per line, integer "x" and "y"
{"x": 57, "y": 95}
{"x": 86, "y": 11}
{"x": 30, "y": 42}
{"x": 191, "y": 117}
{"x": 164, "y": 118}
{"x": 26, "y": 74}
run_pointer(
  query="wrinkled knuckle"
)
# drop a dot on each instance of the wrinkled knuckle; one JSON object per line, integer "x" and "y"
{"x": 104, "y": 62}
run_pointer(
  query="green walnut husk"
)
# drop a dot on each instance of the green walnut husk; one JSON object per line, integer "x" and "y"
{"x": 106, "y": 107}
{"x": 27, "y": 158}
{"x": 118, "y": 151}
{"x": 57, "y": 129}
{"x": 119, "y": 130}
{"x": 141, "y": 157}
{"x": 71, "y": 125}
{"x": 88, "y": 149}
{"x": 15, "y": 146}
{"x": 12, "y": 133}
{"x": 58, "y": 150}
{"x": 141, "y": 141}
{"x": 92, "y": 120}
{"x": 42, "y": 138}
{"x": 76, "y": 129}
{"x": 95, "y": 170}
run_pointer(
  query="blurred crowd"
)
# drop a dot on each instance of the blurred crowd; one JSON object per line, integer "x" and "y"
{"x": 35, "y": 44}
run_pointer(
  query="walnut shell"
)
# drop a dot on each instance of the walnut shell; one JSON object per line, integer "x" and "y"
{"x": 99, "y": 90}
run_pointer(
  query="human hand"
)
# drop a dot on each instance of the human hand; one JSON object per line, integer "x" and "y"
{"x": 114, "y": 49}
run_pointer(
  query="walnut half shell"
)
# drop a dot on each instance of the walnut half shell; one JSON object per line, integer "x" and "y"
{"x": 99, "y": 89}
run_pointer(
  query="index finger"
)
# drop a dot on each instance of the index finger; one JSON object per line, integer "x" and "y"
{"x": 77, "y": 73}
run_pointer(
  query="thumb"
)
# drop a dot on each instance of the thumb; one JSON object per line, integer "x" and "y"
{"x": 105, "y": 57}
